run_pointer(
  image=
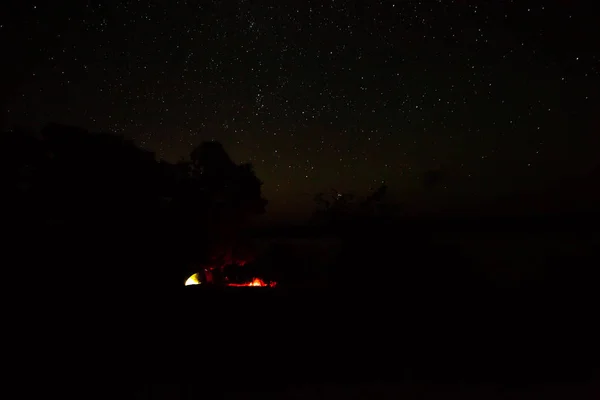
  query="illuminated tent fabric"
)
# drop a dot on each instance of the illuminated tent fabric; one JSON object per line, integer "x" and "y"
{"x": 193, "y": 280}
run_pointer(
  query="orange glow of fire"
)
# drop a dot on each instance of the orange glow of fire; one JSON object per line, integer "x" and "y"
{"x": 254, "y": 282}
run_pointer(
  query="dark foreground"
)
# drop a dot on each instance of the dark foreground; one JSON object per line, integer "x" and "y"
{"x": 376, "y": 391}
{"x": 291, "y": 343}
{"x": 381, "y": 335}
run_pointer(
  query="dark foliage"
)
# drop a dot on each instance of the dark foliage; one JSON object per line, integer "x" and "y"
{"x": 93, "y": 209}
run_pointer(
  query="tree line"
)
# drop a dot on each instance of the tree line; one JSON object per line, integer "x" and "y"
{"x": 83, "y": 201}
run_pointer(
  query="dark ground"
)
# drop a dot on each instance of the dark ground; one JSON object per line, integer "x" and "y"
{"x": 252, "y": 340}
{"x": 423, "y": 334}
{"x": 407, "y": 391}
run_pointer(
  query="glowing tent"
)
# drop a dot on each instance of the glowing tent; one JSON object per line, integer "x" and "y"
{"x": 193, "y": 280}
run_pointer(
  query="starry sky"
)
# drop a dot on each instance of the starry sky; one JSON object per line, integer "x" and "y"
{"x": 497, "y": 95}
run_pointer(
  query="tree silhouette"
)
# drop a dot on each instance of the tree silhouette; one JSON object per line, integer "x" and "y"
{"x": 371, "y": 203}
{"x": 96, "y": 202}
{"x": 220, "y": 196}
{"x": 210, "y": 160}
{"x": 22, "y": 158}
{"x": 343, "y": 207}
{"x": 322, "y": 203}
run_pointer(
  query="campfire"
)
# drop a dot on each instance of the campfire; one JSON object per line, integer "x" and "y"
{"x": 254, "y": 282}
{"x": 207, "y": 276}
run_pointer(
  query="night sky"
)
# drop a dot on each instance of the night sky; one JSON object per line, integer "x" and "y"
{"x": 497, "y": 95}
